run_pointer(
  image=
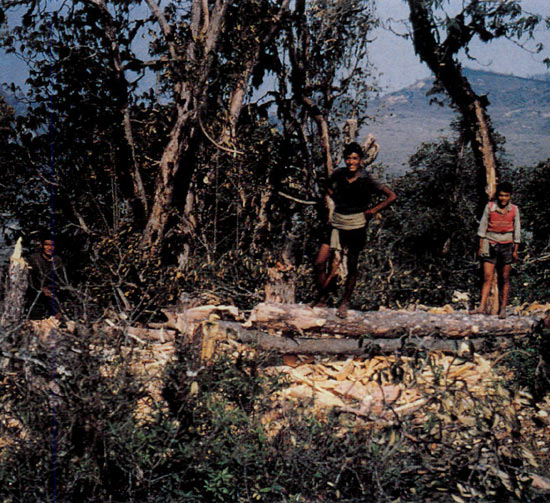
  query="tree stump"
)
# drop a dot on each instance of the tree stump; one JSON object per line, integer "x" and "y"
{"x": 281, "y": 284}
{"x": 16, "y": 287}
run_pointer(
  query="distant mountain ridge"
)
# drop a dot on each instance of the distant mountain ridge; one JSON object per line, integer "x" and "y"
{"x": 519, "y": 108}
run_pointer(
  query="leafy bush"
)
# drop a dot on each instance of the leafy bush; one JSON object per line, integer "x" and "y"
{"x": 70, "y": 432}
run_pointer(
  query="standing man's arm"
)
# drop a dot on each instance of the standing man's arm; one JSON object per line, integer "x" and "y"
{"x": 482, "y": 229}
{"x": 517, "y": 235}
{"x": 389, "y": 199}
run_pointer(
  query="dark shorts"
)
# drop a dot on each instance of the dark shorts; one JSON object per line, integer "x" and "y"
{"x": 354, "y": 240}
{"x": 500, "y": 253}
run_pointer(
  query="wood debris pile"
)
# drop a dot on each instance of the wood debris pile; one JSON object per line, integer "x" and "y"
{"x": 381, "y": 388}
{"x": 460, "y": 390}
{"x": 385, "y": 387}
{"x": 148, "y": 364}
{"x": 444, "y": 400}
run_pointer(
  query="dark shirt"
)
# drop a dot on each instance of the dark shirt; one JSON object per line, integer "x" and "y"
{"x": 353, "y": 197}
{"x": 45, "y": 274}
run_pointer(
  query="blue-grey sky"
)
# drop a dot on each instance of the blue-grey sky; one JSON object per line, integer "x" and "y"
{"x": 399, "y": 66}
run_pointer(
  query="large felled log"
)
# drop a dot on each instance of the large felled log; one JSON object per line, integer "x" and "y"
{"x": 342, "y": 346}
{"x": 297, "y": 318}
{"x": 17, "y": 282}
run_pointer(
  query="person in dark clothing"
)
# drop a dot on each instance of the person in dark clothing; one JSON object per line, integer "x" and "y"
{"x": 352, "y": 190}
{"x": 47, "y": 278}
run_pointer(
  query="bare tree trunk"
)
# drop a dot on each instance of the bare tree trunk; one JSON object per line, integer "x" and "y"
{"x": 122, "y": 94}
{"x": 237, "y": 97}
{"x": 16, "y": 287}
{"x": 281, "y": 284}
{"x": 348, "y": 346}
{"x": 164, "y": 185}
{"x": 298, "y": 318}
{"x": 440, "y": 59}
{"x": 439, "y": 56}
{"x": 189, "y": 101}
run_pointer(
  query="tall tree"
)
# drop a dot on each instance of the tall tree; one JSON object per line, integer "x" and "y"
{"x": 438, "y": 38}
{"x": 85, "y": 69}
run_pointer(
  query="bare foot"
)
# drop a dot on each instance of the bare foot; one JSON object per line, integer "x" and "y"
{"x": 502, "y": 313}
{"x": 342, "y": 311}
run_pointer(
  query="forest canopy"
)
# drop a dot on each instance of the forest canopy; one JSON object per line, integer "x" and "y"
{"x": 171, "y": 145}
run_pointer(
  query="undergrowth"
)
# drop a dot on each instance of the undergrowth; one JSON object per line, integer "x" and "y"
{"x": 69, "y": 432}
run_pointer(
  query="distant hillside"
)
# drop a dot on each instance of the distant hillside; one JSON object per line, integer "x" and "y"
{"x": 519, "y": 108}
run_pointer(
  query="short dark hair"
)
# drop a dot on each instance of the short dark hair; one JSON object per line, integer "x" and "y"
{"x": 504, "y": 187}
{"x": 45, "y": 235}
{"x": 353, "y": 148}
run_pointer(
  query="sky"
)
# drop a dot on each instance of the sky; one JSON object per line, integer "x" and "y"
{"x": 394, "y": 56}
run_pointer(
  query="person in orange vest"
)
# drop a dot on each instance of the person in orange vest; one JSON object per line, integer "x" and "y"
{"x": 499, "y": 238}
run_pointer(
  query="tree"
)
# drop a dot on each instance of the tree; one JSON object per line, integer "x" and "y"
{"x": 438, "y": 38}
{"x": 193, "y": 164}
{"x": 85, "y": 51}
{"x": 327, "y": 82}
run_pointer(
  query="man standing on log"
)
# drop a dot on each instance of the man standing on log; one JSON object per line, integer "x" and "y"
{"x": 47, "y": 277}
{"x": 351, "y": 189}
{"x": 499, "y": 237}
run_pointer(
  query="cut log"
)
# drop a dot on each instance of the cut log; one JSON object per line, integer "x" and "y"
{"x": 297, "y": 318}
{"x": 17, "y": 282}
{"x": 346, "y": 346}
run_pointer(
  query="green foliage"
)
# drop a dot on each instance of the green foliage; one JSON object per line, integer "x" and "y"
{"x": 70, "y": 432}
{"x": 423, "y": 247}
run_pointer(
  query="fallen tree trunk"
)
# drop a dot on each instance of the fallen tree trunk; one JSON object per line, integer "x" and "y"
{"x": 346, "y": 346}
{"x": 297, "y": 318}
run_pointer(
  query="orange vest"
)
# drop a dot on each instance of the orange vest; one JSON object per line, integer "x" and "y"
{"x": 501, "y": 222}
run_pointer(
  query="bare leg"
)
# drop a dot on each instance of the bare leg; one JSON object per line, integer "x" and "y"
{"x": 488, "y": 271}
{"x": 351, "y": 280}
{"x": 504, "y": 289}
{"x": 321, "y": 270}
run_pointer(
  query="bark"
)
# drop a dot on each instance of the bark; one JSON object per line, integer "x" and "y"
{"x": 16, "y": 286}
{"x": 297, "y": 318}
{"x": 241, "y": 87}
{"x": 189, "y": 96}
{"x": 322, "y": 124}
{"x": 164, "y": 185}
{"x": 281, "y": 284}
{"x": 440, "y": 59}
{"x": 299, "y": 60}
{"x": 347, "y": 346}
{"x": 439, "y": 56}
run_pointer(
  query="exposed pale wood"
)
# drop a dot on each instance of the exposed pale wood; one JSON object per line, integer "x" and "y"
{"x": 153, "y": 334}
{"x": 281, "y": 284}
{"x": 296, "y": 318}
{"x": 371, "y": 149}
{"x": 16, "y": 286}
{"x": 186, "y": 321}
